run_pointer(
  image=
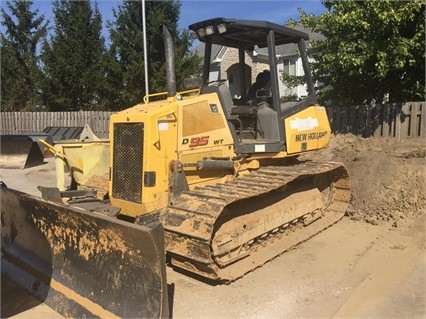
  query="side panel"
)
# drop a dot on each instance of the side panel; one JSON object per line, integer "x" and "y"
{"x": 203, "y": 133}
{"x": 203, "y": 126}
{"x": 82, "y": 264}
{"x": 307, "y": 130}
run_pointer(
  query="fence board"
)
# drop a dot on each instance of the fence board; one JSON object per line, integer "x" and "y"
{"x": 377, "y": 120}
{"x": 387, "y": 121}
{"x": 352, "y": 116}
{"x": 413, "y": 120}
{"x": 344, "y": 119}
{"x": 330, "y": 111}
{"x": 422, "y": 131}
{"x": 405, "y": 120}
{"x": 395, "y": 121}
{"x": 368, "y": 117}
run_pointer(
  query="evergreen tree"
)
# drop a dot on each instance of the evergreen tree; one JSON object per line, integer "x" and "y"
{"x": 73, "y": 58}
{"x": 20, "y": 73}
{"x": 125, "y": 74}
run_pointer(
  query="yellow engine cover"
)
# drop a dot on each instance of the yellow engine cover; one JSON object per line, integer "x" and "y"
{"x": 307, "y": 130}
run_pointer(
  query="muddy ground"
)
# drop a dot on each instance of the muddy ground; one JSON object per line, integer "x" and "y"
{"x": 369, "y": 264}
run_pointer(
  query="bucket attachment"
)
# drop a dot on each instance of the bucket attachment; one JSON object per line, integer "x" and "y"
{"x": 87, "y": 159}
{"x": 19, "y": 151}
{"x": 82, "y": 264}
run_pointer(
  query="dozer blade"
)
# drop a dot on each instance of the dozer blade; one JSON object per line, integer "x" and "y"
{"x": 81, "y": 264}
{"x": 19, "y": 151}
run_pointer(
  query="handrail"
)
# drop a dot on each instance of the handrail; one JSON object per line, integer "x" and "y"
{"x": 178, "y": 94}
{"x": 151, "y": 95}
{"x": 176, "y": 97}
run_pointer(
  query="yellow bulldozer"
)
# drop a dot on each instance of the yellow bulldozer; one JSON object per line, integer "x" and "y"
{"x": 218, "y": 171}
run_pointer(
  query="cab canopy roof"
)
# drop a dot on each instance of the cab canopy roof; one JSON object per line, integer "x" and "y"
{"x": 243, "y": 33}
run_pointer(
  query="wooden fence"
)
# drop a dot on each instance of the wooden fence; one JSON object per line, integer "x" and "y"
{"x": 24, "y": 122}
{"x": 399, "y": 120}
{"x": 386, "y": 120}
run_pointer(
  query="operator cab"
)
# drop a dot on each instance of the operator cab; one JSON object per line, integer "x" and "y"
{"x": 255, "y": 114}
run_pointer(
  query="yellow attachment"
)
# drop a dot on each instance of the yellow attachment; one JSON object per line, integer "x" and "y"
{"x": 85, "y": 160}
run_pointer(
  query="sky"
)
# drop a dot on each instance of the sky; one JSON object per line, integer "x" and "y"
{"x": 278, "y": 11}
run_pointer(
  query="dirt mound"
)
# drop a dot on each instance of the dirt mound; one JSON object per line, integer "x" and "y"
{"x": 388, "y": 175}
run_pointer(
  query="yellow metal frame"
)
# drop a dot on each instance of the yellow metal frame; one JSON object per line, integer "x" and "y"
{"x": 175, "y": 97}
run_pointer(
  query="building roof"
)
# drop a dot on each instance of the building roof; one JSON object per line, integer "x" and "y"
{"x": 291, "y": 48}
{"x": 217, "y": 51}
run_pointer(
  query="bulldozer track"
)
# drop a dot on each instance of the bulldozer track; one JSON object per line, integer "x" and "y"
{"x": 257, "y": 227}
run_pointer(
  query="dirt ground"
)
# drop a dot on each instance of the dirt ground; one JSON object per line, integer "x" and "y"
{"x": 371, "y": 264}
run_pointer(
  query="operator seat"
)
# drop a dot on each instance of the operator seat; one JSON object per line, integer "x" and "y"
{"x": 263, "y": 81}
{"x": 225, "y": 98}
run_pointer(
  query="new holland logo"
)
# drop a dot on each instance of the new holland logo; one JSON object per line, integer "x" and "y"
{"x": 303, "y": 124}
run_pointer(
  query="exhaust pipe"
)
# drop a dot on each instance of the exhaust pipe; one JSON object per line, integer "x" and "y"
{"x": 170, "y": 62}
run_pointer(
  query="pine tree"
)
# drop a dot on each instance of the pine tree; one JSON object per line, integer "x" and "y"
{"x": 126, "y": 77}
{"x": 20, "y": 73}
{"x": 73, "y": 58}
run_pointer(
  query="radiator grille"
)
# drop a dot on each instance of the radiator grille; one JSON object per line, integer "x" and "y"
{"x": 127, "y": 170}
